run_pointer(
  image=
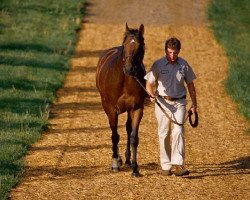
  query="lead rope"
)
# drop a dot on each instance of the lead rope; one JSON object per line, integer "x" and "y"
{"x": 193, "y": 124}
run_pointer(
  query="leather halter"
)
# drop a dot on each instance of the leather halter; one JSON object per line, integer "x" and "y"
{"x": 133, "y": 68}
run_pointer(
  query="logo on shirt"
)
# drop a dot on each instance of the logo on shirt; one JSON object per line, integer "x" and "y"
{"x": 164, "y": 71}
{"x": 181, "y": 71}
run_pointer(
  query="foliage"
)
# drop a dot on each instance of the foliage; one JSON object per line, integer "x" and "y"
{"x": 37, "y": 39}
{"x": 230, "y": 22}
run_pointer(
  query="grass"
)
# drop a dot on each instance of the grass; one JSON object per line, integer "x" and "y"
{"x": 37, "y": 40}
{"x": 230, "y": 23}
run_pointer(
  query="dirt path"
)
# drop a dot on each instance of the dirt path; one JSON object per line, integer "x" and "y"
{"x": 73, "y": 159}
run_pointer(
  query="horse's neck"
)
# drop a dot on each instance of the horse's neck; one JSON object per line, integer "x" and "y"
{"x": 120, "y": 51}
{"x": 142, "y": 71}
{"x": 141, "y": 74}
{"x": 116, "y": 54}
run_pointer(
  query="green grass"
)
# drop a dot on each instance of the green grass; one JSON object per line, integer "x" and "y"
{"x": 37, "y": 40}
{"x": 230, "y": 23}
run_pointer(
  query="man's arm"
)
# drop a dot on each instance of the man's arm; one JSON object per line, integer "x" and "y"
{"x": 192, "y": 93}
{"x": 150, "y": 89}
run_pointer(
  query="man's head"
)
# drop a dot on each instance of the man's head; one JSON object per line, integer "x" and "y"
{"x": 172, "y": 49}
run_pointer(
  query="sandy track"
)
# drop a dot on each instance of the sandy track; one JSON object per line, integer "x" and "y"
{"x": 73, "y": 159}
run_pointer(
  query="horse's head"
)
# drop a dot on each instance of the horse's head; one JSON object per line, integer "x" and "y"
{"x": 133, "y": 51}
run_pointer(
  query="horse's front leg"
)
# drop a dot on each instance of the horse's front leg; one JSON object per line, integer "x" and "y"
{"x": 128, "y": 130}
{"x": 116, "y": 159}
{"x": 136, "y": 116}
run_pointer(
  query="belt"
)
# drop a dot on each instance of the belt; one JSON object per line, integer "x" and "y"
{"x": 172, "y": 98}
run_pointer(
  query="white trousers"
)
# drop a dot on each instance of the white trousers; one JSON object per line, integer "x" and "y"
{"x": 172, "y": 143}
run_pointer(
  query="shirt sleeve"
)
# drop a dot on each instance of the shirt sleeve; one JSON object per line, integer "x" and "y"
{"x": 151, "y": 75}
{"x": 190, "y": 75}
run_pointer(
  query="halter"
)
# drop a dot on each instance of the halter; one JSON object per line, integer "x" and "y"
{"x": 132, "y": 71}
{"x": 133, "y": 39}
{"x": 133, "y": 68}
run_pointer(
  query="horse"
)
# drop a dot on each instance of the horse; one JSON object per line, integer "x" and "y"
{"x": 118, "y": 71}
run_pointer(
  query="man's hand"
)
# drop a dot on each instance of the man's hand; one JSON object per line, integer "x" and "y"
{"x": 192, "y": 93}
{"x": 193, "y": 109}
{"x": 152, "y": 99}
{"x": 150, "y": 90}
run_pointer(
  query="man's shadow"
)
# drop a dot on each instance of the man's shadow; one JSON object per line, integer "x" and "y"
{"x": 233, "y": 167}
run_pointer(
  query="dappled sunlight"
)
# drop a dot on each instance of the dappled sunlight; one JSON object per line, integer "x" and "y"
{"x": 73, "y": 158}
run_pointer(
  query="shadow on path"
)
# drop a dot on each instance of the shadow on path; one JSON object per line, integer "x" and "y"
{"x": 233, "y": 167}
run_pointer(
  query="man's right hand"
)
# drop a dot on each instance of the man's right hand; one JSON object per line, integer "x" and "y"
{"x": 152, "y": 99}
{"x": 150, "y": 91}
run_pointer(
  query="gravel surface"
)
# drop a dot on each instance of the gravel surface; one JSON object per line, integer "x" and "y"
{"x": 73, "y": 159}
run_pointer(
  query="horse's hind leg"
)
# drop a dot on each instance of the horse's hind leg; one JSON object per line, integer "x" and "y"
{"x": 129, "y": 130}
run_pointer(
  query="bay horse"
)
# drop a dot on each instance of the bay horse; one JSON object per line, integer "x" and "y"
{"x": 118, "y": 71}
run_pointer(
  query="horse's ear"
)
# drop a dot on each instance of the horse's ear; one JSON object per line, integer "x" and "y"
{"x": 141, "y": 29}
{"x": 127, "y": 28}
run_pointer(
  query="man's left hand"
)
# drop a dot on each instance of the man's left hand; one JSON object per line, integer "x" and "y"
{"x": 193, "y": 109}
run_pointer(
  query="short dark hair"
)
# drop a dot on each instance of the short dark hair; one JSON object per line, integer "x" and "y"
{"x": 173, "y": 43}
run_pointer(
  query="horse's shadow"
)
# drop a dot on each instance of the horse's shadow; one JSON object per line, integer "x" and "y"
{"x": 233, "y": 167}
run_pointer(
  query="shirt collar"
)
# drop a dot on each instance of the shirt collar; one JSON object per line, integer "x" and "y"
{"x": 178, "y": 61}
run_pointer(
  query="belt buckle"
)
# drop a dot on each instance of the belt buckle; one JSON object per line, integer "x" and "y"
{"x": 168, "y": 98}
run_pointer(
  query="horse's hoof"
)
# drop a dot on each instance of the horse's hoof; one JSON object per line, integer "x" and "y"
{"x": 136, "y": 174}
{"x": 115, "y": 170}
{"x": 128, "y": 164}
{"x": 119, "y": 162}
{"x": 116, "y": 163}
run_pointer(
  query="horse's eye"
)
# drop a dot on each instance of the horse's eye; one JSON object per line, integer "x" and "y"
{"x": 134, "y": 35}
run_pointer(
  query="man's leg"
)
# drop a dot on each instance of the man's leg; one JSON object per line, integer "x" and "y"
{"x": 164, "y": 139}
{"x": 178, "y": 141}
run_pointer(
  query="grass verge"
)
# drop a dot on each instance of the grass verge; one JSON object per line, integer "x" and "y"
{"x": 230, "y": 23}
{"x": 37, "y": 40}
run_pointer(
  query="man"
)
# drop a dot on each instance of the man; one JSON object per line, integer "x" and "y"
{"x": 165, "y": 81}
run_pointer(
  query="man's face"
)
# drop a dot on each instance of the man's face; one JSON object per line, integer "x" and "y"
{"x": 172, "y": 54}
